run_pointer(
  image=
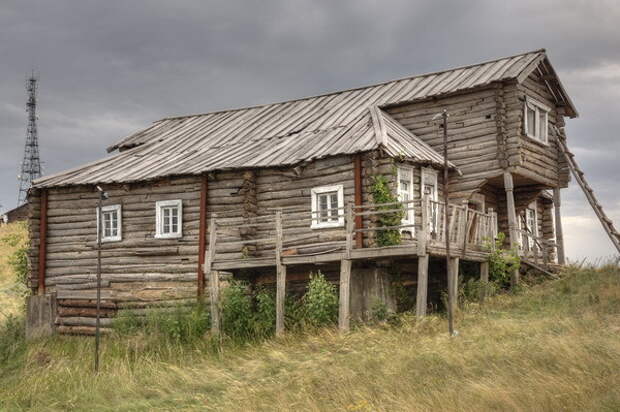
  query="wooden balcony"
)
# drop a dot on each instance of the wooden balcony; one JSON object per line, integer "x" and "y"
{"x": 285, "y": 236}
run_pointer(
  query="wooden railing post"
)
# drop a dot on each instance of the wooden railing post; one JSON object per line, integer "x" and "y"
{"x": 281, "y": 276}
{"x": 423, "y": 233}
{"x": 214, "y": 277}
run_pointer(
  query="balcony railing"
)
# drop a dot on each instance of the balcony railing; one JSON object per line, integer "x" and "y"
{"x": 289, "y": 232}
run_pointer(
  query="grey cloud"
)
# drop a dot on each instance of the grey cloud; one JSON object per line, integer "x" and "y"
{"x": 108, "y": 68}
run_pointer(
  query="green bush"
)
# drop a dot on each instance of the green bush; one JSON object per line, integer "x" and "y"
{"x": 237, "y": 311}
{"x": 473, "y": 290}
{"x": 502, "y": 262}
{"x": 393, "y": 216}
{"x": 320, "y": 301}
{"x": 264, "y": 319}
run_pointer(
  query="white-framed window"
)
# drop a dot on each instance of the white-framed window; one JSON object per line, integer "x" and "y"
{"x": 168, "y": 219}
{"x": 112, "y": 229}
{"x": 327, "y": 206}
{"x": 528, "y": 222}
{"x": 536, "y": 120}
{"x": 428, "y": 188}
{"x": 405, "y": 194}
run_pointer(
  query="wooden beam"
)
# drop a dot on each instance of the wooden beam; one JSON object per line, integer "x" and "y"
{"x": 280, "y": 277}
{"x": 357, "y": 164}
{"x": 484, "y": 279}
{"x": 42, "y": 243}
{"x": 512, "y": 221}
{"x": 422, "y": 290}
{"x": 559, "y": 235}
{"x": 202, "y": 236}
{"x": 214, "y": 278}
{"x": 345, "y": 296}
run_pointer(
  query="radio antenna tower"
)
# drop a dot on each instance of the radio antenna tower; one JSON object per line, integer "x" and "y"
{"x": 31, "y": 165}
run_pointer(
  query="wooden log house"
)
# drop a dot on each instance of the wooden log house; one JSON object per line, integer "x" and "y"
{"x": 272, "y": 192}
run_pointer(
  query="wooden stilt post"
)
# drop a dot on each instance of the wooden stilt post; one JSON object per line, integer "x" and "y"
{"x": 345, "y": 297}
{"x": 484, "y": 279}
{"x": 281, "y": 277}
{"x": 559, "y": 235}
{"x": 214, "y": 278}
{"x": 345, "y": 276}
{"x": 423, "y": 260}
{"x": 512, "y": 220}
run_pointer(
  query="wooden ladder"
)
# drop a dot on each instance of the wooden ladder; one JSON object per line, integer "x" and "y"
{"x": 587, "y": 190}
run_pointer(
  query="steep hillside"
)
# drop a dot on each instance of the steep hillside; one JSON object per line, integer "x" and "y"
{"x": 555, "y": 346}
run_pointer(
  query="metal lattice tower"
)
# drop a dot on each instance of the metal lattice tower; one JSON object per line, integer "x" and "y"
{"x": 31, "y": 165}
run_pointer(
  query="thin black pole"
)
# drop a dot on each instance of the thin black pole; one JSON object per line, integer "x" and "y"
{"x": 445, "y": 223}
{"x": 99, "y": 231}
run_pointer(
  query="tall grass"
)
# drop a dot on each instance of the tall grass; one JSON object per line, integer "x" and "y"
{"x": 13, "y": 268}
{"x": 554, "y": 346}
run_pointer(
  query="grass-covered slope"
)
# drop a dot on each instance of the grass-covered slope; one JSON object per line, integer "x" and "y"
{"x": 13, "y": 241}
{"x": 555, "y": 346}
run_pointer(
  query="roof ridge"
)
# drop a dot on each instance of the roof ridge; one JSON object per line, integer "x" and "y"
{"x": 542, "y": 50}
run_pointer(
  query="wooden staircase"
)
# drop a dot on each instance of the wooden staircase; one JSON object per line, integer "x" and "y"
{"x": 587, "y": 190}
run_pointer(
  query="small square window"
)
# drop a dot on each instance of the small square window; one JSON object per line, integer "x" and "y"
{"x": 169, "y": 219}
{"x": 111, "y": 217}
{"x": 327, "y": 206}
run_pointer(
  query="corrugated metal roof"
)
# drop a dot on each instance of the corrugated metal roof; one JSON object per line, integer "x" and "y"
{"x": 285, "y": 133}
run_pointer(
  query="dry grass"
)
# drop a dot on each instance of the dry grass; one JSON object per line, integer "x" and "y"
{"x": 11, "y": 294}
{"x": 554, "y": 347}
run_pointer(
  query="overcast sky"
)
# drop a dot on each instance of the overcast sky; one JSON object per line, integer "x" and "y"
{"x": 108, "y": 68}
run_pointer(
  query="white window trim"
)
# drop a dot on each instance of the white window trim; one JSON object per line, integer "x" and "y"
{"x": 316, "y": 223}
{"x": 118, "y": 210}
{"x": 409, "y": 218}
{"x": 538, "y": 107}
{"x": 430, "y": 172}
{"x": 427, "y": 171}
{"x": 159, "y": 221}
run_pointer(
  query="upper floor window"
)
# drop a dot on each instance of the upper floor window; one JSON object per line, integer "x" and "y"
{"x": 111, "y": 230}
{"x": 536, "y": 120}
{"x": 405, "y": 194}
{"x": 327, "y": 206}
{"x": 169, "y": 219}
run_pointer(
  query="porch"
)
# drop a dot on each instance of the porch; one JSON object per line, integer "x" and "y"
{"x": 285, "y": 237}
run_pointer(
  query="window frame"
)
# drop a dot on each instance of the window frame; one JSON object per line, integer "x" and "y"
{"x": 314, "y": 204}
{"x": 428, "y": 171}
{"x": 539, "y": 108}
{"x": 530, "y": 242}
{"x": 119, "y": 234}
{"x": 159, "y": 206}
{"x": 409, "y": 217}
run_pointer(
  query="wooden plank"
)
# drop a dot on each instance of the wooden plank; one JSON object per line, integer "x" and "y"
{"x": 214, "y": 287}
{"x": 423, "y": 233}
{"x": 281, "y": 277}
{"x": 453, "y": 282}
{"x": 484, "y": 279}
{"x": 422, "y": 288}
{"x": 345, "y": 298}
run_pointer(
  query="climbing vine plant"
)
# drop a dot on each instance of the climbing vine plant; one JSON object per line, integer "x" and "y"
{"x": 382, "y": 193}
